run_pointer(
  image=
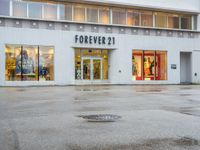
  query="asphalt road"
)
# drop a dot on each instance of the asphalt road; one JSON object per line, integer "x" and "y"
{"x": 155, "y": 117}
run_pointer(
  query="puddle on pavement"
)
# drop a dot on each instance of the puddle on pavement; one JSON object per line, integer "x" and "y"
{"x": 183, "y": 143}
{"x": 184, "y": 110}
{"x": 100, "y": 118}
{"x": 21, "y": 90}
{"x": 149, "y": 90}
{"x": 185, "y": 94}
{"x": 83, "y": 109}
{"x": 186, "y": 88}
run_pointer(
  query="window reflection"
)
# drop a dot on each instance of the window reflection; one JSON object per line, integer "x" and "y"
{"x": 119, "y": 16}
{"x": 146, "y": 18}
{"x": 35, "y": 10}
{"x": 133, "y": 17}
{"x": 66, "y": 12}
{"x": 161, "y": 20}
{"x": 185, "y": 22}
{"x": 79, "y": 13}
{"x": 173, "y": 21}
{"x": 4, "y": 7}
{"x": 92, "y": 14}
{"x": 104, "y": 15}
{"x": 50, "y": 11}
{"x": 19, "y": 9}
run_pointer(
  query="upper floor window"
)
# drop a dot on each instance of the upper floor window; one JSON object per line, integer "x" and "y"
{"x": 79, "y": 13}
{"x": 186, "y": 22}
{"x": 4, "y": 7}
{"x": 173, "y": 21}
{"x": 66, "y": 12}
{"x": 147, "y": 18}
{"x": 119, "y": 16}
{"x": 50, "y": 11}
{"x": 32, "y": 10}
{"x": 92, "y": 14}
{"x": 161, "y": 20}
{"x": 19, "y": 9}
{"x": 104, "y": 15}
{"x": 133, "y": 17}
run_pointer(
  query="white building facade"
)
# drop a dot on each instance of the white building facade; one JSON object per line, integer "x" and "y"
{"x": 99, "y": 42}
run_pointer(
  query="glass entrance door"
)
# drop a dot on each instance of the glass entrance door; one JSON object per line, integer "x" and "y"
{"x": 86, "y": 69}
{"x": 91, "y": 68}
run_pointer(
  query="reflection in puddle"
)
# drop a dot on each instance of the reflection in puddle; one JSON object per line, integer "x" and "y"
{"x": 193, "y": 111}
{"x": 92, "y": 109}
{"x": 184, "y": 143}
{"x": 185, "y": 94}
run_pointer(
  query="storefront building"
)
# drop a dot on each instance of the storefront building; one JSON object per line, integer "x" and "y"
{"x": 99, "y": 42}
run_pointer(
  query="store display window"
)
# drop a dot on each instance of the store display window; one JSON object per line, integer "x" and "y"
{"x": 149, "y": 65}
{"x": 29, "y": 63}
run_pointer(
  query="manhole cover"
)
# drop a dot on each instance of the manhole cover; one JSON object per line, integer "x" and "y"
{"x": 101, "y": 118}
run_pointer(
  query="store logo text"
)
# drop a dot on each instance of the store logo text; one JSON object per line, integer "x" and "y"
{"x": 101, "y": 40}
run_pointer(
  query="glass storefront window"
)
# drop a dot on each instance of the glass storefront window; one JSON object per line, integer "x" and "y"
{"x": 79, "y": 13}
{"x": 104, "y": 15}
{"x": 19, "y": 9}
{"x": 13, "y": 62}
{"x": 149, "y": 65}
{"x": 24, "y": 64}
{"x": 133, "y": 17}
{"x": 5, "y": 7}
{"x": 173, "y": 21}
{"x": 161, "y": 20}
{"x": 137, "y": 65}
{"x": 104, "y": 64}
{"x": 66, "y": 12}
{"x": 46, "y": 63}
{"x": 146, "y": 18}
{"x": 92, "y": 14}
{"x": 186, "y": 22}
{"x": 50, "y": 11}
{"x": 118, "y": 16}
{"x": 78, "y": 64}
{"x": 35, "y": 10}
{"x": 161, "y": 65}
{"x": 29, "y": 63}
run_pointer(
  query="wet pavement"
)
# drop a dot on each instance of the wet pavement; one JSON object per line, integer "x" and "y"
{"x": 151, "y": 117}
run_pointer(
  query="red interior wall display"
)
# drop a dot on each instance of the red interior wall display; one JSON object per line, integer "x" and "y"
{"x": 147, "y": 64}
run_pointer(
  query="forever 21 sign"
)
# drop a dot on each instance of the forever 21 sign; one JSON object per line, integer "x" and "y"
{"x": 100, "y": 40}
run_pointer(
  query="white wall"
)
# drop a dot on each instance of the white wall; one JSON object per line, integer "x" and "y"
{"x": 196, "y": 66}
{"x": 120, "y": 59}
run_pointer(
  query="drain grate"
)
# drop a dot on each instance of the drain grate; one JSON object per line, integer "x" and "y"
{"x": 101, "y": 118}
